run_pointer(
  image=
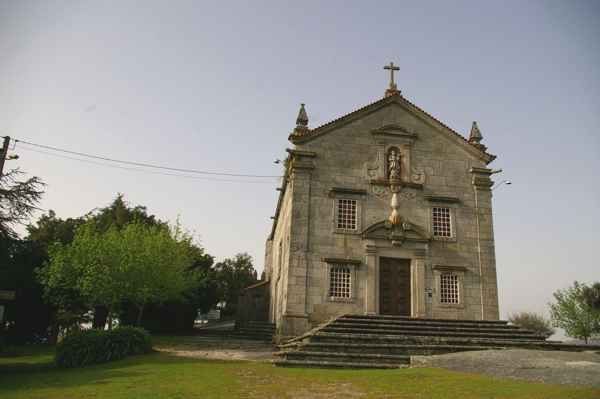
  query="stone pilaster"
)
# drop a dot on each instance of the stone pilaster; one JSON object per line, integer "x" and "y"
{"x": 295, "y": 312}
{"x": 485, "y": 243}
{"x": 372, "y": 280}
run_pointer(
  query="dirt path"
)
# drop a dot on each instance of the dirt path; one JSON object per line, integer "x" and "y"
{"x": 575, "y": 368}
{"x": 219, "y": 348}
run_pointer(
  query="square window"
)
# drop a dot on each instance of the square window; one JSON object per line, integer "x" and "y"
{"x": 346, "y": 214}
{"x": 441, "y": 222}
{"x": 449, "y": 288}
{"x": 340, "y": 281}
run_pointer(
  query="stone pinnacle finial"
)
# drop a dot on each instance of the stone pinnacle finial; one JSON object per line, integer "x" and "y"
{"x": 301, "y": 128}
{"x": 475, "y": 137}
{"x": 302, "y": 119}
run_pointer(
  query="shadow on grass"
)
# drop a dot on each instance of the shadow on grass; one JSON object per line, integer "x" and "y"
{"x": 39, "y": 375}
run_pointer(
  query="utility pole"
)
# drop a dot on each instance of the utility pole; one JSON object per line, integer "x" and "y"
{"x": 4, "y": 154}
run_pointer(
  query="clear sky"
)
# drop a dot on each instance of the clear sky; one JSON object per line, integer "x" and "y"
{"x": 216, "y": 86}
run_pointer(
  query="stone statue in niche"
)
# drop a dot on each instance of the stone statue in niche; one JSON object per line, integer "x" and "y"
{"x": 393, "y": 164}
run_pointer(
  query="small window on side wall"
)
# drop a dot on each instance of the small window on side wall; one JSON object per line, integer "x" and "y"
{"x": 441, "y": 222}
{"x": 346, "y": 214}
{"x": 340, "y": 282}
{"x": 449, "y": 289}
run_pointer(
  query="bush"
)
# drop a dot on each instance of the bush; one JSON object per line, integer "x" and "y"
{"x": 81, "y": 348}
{"x": 533, "y": 322}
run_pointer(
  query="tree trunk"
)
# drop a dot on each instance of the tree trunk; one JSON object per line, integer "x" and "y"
{"x": 139, "y": 317}
{"x": 53, "y": 336}
{"x": 100, "y": 317}
{"x": 110, "y": 320}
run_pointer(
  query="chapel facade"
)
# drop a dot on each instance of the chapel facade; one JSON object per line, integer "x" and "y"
{"x": 383, "y": 211}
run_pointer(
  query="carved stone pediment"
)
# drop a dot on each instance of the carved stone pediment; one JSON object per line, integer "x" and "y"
{"x": 398, "y": 234}
{"x": 394, "y": 130}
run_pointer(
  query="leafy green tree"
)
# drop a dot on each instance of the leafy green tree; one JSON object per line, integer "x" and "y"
{"x": 233, "y": 275}
{"x": 574, "y": 313}
{"x": 120, "y": 213}
{"x": 533, "y": 322}
{"x": 139, "y": 264}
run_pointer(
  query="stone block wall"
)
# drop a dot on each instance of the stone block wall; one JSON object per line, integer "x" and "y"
{"x": 348, "y": 157}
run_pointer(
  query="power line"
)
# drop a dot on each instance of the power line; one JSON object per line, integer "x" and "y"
{"x": 143, "y": 164}
{"x": 142, "y": 170}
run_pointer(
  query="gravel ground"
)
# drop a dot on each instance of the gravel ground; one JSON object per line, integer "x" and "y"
{"x": 574, "y": 368}
{"x": 220, "y": 348}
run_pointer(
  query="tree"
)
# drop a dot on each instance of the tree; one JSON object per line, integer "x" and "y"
{"x": 591, "y": 295}
{"x": 233, "y": 275}
{"x": 18, "y": 200}
{"x": 118, "y": 214}
{"x": 574, "y": 313}
{"x": 139, "y": 264}
{"x": 533, "y": 322}
{"x": 50, "y": 229}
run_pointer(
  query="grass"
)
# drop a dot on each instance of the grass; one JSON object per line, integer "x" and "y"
{"x": 31, "y": 374}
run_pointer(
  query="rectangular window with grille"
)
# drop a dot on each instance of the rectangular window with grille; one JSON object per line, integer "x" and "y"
{"x": 346, "y": 218}
{"x": 449, "y": 288}
{"x": 442, "y": 226}
{"x": 340, "y": 281}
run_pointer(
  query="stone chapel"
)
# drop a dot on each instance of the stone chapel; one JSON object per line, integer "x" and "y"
{"x": 383, "y": 211}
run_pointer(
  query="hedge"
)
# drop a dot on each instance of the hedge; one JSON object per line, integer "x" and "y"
{"x": 98, "y": 346}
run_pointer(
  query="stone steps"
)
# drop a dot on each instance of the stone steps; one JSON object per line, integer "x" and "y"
{"x": 415, "y": 322}
{"x": 340, "y": 364}
{"x": 384, "y": 341}
{"x": 414, "y": 339}
{"x": 393, "y": 349}
{"x": 256, "y": 330}
{"x": 438, "y": 332}
{"x": 350, "y": 357}
{"x": 390, "y": 318}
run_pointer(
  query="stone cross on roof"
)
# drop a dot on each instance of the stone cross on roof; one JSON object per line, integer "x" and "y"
{"x": 393, "y": 89}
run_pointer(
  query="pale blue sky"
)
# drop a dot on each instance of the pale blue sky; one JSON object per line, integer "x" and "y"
{"x": 216, "y": 86}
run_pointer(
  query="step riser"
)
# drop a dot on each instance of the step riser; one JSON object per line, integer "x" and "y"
{"x": 416, "y": 341}
{"x": 424, "y": 323}
{"x": 414, "y": 351}
{"x": 342, "y": 365}
{"x": 422, "y": 320}
{"x": 431, "y": 333}
{"x": 422, "y": 326}
{"x": 348, "y": 359}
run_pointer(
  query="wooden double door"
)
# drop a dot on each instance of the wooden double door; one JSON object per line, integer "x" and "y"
{"x": 394, "y": 286}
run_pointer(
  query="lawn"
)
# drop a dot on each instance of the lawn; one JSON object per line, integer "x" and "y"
{"x": 30, "y": 374}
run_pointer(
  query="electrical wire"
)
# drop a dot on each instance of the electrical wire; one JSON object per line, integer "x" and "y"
{"x": 143, "y": 164}
{"x": 143, "y": 170}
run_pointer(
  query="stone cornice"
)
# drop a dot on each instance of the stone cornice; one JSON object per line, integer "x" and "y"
{"x": 342, "y": 260}
{"x": 386, "y": 183}
{"x": 301, "y": 153}
{"x": 342, "y": 190}
{"x": 395, "y": 131}
{"x": 441, "y": 198}
{"x": 450, "y": 268}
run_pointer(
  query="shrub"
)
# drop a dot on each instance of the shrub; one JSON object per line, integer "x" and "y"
{"x": 533, "y": 322}
{"x": 81, "y": 348}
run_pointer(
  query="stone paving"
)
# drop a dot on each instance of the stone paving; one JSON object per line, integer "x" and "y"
{"x": 557, "y": 367}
